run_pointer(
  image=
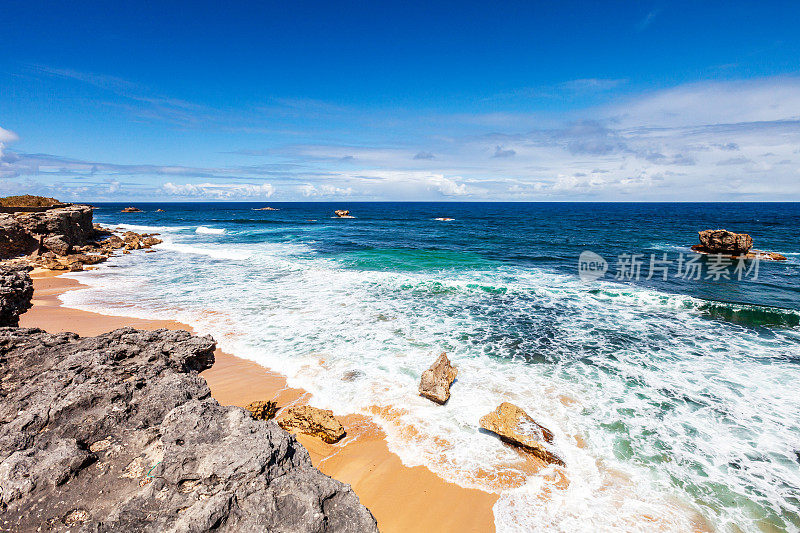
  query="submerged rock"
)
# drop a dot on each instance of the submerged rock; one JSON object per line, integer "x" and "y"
{"x": 120, "y": 433}
{"x": 16, "y": 291}
{"x": 312, "y": 421}
{"x": 435, "y": 382}
{"x": 262, "y": 410}
{"x": 513, "y": 425}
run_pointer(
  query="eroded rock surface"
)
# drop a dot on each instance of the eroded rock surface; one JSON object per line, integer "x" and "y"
{"x": 312, "y": 421}
{"x": 16, "y": 291}
{"x": 435, "y": 382}
{"x": 119, "y": 433}
{"x": 722, "y": 241}
{"x": 513, "y": 425}
{"x": 262, "y": 410}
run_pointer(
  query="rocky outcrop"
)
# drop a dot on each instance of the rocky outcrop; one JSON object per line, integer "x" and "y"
{"x": 119, "y": 433}
{"x": 131, "y": 210}
{"x": 513, "y": 425}
{"x": 265, "y": 209}
{"x": 57, "y": 230}
{"x": 318, "y": 423}
{"x": 16, "y": 291}
{"x": 721, "y": 241}
{"x": 262, "y": 410}
{"x": 435, "y": 382}
{"x": 732, "y": 245}
{"x": 160, "y": 211}
{"x": 341, "y": 213}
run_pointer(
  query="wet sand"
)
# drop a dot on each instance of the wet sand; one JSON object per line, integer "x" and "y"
{"x": 402, "y": 498}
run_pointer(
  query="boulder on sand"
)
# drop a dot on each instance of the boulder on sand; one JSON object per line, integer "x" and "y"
{"x": 262, "y": 410}
{"x": 513, "y": 425}
{"x": 312, "y": 421}
{"x": 435, "y": 382}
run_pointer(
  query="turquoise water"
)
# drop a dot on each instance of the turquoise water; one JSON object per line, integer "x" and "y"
{"x": 673, "y": 402}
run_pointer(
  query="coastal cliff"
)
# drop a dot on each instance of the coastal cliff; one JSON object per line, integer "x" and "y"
{"x": 58, "y": 229}
{"x": 119, "y": 432}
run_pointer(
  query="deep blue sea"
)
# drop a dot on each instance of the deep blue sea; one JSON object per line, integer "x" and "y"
{"x": 675, "y": 402}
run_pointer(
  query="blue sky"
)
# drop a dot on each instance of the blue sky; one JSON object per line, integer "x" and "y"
{"x": 536, "y": 101}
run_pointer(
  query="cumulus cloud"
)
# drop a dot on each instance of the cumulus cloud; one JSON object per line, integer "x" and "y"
{"x": 219, "y": 191}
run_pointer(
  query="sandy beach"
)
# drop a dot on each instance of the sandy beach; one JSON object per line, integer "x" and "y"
{"x": 401, "y": 498}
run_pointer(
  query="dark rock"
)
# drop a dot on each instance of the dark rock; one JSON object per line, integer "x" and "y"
{"x": 57, "y": 244}
{"x": 119, "y": 433}
{"x": 14, "y": 240}
{"x": 435, "y": 382}
{"x": 16, "y": 291}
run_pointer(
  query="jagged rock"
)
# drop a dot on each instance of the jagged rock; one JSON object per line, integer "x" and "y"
{"x": 435, "y": 382}
{"x": 119, "y": 433}
{"x": 513, "y": 425}
{"x": 341, "y": 213}
{"x": 262, "y": 410}
{"x": 131, "y": 210}
{"x": 14, "y": 240}
{"x": 721, "y": 241}
{"x": 16, "y": 291}
{"x": 150, "y": 241}
{"x": 160, "y": 211}
{"x": 57, "y": 244}
{"x": 312, "y": 421}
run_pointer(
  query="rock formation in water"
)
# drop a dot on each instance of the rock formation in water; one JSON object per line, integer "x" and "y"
{"x": 513, "y": 425}
{"x": 435, "y": 382}
{"x": 119, "y": 433}
{"x": 16, "y": 291}
{"x": 342, "y": 213}
{"x": 131, "y": 210}
{"x": 721, "y": 241}
{"x": 312, "y": 421}
{"x": 731, "y": 245}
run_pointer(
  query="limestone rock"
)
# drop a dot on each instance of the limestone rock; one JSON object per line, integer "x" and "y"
{"x": 721, "y": 241}
{"x": 435, "y": 382}
{"x": 341, "y": 213}
{"x": 131, "y": 210}
{"x": 262, "y": 410}
{"x": 119, "y": 433}
{"x": 16, "y": 291}
{"x": 513, "y": 425}
{"x": 312, "y": 421}
{"x": 57, "y": 244}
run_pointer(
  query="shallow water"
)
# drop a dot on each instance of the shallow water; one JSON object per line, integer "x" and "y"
{"x": 673, "y": 402}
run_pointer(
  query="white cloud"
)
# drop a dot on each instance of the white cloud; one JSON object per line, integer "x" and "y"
{"x": 6, "y": 168}
{"x": 218, "y": 191}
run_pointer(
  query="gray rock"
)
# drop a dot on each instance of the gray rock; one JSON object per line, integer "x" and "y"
{"x": 119, "y": 433}
{"x": 16, "y": 291}
{"x": 57, "y": 244}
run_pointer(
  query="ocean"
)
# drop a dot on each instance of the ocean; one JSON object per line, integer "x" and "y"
{"x": 671, "y": 382}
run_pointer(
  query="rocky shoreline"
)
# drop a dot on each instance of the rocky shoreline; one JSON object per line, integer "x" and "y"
{"x": 119, "y": 432}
